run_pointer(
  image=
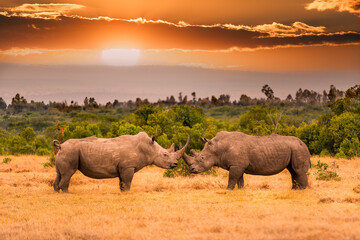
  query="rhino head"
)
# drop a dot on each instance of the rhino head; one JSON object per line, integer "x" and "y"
{"x": 202, "y": 161}
{"x": 167, "y": 158}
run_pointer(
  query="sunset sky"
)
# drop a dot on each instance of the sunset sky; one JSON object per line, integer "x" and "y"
{"x": 261, "y": 35}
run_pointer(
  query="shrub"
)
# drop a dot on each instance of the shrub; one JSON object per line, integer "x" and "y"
{"x": 47, "y": 164}
{"x": 182, "y": 169}
{"x": 42, "y": 151}
{"x": 350, "y": 148}
{"x": 324, "y": 153}
{"x": 324, "y": 173}
{"x": 7, "y": 160}
{"x": 51, "y": 161}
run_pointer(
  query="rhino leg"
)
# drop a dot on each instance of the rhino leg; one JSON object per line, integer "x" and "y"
{"x": 241, "y": 181}
{"x": 56, "y": 182}
{"x": 65, "y": 180}
{"x": 235, "y": 176}
{"x": 126, "y": 176}
{"x": 299, "y": 180}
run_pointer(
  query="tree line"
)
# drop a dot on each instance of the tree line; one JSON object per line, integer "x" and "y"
{"x": 19, "y": 103}
{"x": 335, "y": 133}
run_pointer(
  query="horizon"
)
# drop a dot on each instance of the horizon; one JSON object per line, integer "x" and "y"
{"x": 129, "y": 82}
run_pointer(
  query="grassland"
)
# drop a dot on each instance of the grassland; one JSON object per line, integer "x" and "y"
{"x": 195, "y": 207}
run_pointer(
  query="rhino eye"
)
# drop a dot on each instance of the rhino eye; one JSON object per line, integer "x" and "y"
{"x": 165, "y": 154}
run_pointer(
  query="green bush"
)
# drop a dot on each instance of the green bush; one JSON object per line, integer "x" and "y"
{"x": 350, "y": 148}
{"x": 182, "y": 169}
{"x": 324, "y": 153}
{"x": 42, "y": 152}
{"x": 324, "y": 173}
{"x": 47, "y": 164}
{"x": 6, "y": 160}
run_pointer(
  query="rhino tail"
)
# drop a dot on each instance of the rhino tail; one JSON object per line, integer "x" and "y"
{"x": 57, "y": 145}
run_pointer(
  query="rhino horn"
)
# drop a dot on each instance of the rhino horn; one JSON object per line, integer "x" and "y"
{"x": 193, "y": 153}
{"x": 171, "y": 148}
{"x": 182, "y": 150}
{"x": 187, "y": 159}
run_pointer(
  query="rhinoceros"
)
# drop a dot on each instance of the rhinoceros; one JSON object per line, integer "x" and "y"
{"x": 111, "y": 157}
{"x": 240, "y": 153}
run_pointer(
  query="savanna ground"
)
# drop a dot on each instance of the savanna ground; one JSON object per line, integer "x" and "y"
{"x": 196, "y": 207}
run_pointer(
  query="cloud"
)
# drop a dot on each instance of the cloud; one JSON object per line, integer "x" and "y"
{"x": 41, "y": 11}
{"x": 273, "y": 30}
{"x": 53, "y": 26}
{"x": 281, "y": 30}
{"x": 351, "y": 6}
{"x": 15, "y": 52}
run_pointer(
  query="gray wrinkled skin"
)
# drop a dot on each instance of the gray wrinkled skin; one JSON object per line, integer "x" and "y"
{"x": 241, "y": 153}
{"x": 111, "y": 157}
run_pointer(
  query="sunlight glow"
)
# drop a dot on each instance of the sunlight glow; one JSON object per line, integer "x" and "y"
{"x": 121, "y": 57}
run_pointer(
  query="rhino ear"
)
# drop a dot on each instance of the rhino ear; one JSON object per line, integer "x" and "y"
{"x": 171, "y": 148}
{"x": 153, "y": 139}
{"x": 204, "y": 140}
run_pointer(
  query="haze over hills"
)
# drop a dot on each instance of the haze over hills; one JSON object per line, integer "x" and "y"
{"x": 106, "y": 83}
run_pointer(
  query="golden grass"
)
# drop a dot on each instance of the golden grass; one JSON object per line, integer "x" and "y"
{"x": 195, "y": 207}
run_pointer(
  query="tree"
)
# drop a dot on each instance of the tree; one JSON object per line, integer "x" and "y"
{"x": 143, "y": 113}
{"x": 224, "y": 99}
{"x": 116, "y": 103}
{"x": 86, "y": 102}
{"x": 353, "y": 92}
{"x": 193, "y": 94}
{"x": 180, "y": 97}
{"x": 299, "y": 96}
{"x": 275, "y": 117}
{"x": 18, "y": 102}
{"x": 214, "y": 101}
{"x": 269, "y": 93}
{"x": 28, "y": 134}
{"x": 108, "y": 105}
{"x": 332, "y": 93}
{"x": 187, "y": 115}
{"x": 93, "y": 103}
{"x": 256, "y": 122}
{"x": 2, "y": 104}
{"x": 138, "y": 102}
{"x": 289, "y": 98}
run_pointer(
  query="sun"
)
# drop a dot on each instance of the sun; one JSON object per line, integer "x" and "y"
{"x": 121, "y": 57}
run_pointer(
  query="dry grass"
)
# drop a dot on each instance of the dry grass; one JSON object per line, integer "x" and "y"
{"x": 197, "y": 207}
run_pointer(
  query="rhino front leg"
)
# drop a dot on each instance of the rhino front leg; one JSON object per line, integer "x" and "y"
{"x": 126, "y": 176}
{"x": 235, "y": 174}
{"x": 299, "y": 179}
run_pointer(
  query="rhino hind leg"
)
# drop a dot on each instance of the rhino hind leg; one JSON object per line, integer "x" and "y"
{"x": 65, "y": 181}
{"x": 56, "y": 182}
{"x": 299, "y": 180}
{"x": 235, "y": 177}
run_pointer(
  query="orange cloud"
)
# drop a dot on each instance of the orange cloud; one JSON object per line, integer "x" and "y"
{"x": 42, "y": 11}
{"x": 273, "y": 30}
{"x": 351, "y": 6}
{"x": 281, "y": 30}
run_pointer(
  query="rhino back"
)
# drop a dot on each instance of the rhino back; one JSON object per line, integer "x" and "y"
{"x": 265, "y": 155}
{"x": 104, "y": 158}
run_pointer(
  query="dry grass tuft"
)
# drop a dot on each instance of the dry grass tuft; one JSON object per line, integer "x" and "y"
{"x": 357, "y": 189}
{"x": 326, "y": 200}
{"x": 195, "y": 207}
